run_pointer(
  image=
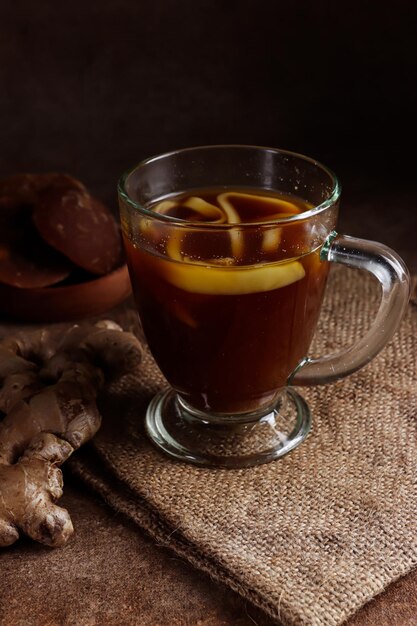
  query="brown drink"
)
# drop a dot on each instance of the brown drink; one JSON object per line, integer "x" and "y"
{"x": 228, "y": 312}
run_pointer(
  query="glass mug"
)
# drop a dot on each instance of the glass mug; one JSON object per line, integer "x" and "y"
{"x": 231, "y": 333}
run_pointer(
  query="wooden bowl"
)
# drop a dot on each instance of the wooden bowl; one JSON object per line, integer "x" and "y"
{"x": 69, "y": 302}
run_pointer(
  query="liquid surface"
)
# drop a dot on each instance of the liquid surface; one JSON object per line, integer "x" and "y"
{"x": 228, "y": 312}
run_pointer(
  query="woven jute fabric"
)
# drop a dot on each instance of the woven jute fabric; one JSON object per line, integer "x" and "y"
{"x": 310, "y": 537}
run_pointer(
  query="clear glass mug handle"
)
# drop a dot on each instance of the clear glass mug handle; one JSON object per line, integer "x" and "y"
{"x": 393, "y": 276}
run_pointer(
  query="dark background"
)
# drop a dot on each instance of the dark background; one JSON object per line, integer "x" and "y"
{"x": 93, "y": 87}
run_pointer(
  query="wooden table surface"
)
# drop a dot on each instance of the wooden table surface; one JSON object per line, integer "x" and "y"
{"x": 111, "y": 573}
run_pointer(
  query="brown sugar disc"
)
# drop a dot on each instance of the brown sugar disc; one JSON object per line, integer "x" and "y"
{"x": 26, "y": 261}
{"x": 80, "y": 227}
{"x": 25, "y": 188}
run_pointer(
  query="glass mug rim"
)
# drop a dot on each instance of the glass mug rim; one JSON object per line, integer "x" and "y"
{"x": 333, "y": 197}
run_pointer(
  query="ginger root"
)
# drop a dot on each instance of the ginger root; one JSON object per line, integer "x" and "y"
{"x": 49, "y": 384}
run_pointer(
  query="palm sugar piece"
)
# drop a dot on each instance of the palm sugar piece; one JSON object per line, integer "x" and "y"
{"x": 25, "y": 188}
{"x": 80, "y": 227}
{"x": 26, "y": 261}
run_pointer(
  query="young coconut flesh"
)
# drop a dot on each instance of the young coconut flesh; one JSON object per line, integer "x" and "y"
{"x": 49, "y": 384}
{"x": 204, "y": 276}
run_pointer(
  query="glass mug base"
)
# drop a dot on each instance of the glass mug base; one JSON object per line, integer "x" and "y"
{"x": 223, "y": 441}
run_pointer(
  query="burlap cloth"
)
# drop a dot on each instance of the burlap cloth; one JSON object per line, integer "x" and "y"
{"x": 313, "y": 536}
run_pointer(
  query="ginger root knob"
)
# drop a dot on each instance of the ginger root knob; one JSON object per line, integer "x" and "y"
{"x": 49, "y": 385}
